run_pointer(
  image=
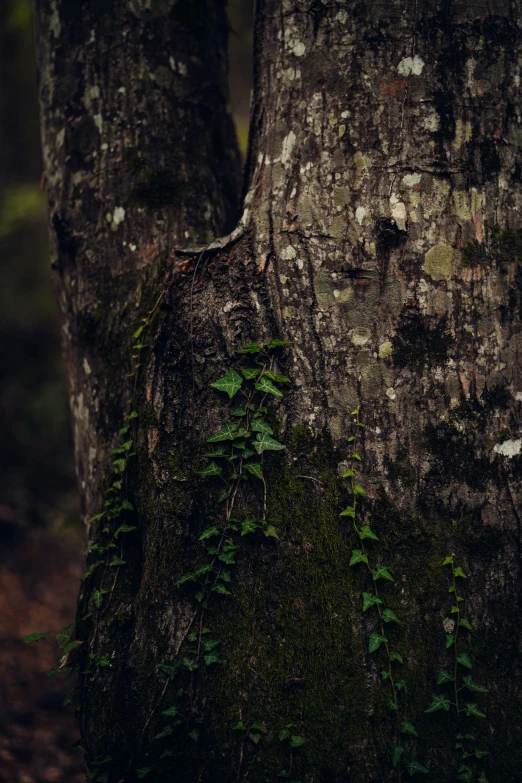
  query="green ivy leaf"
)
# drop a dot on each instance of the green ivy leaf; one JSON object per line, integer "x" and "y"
{"x": 396, "y": 753}
{"x": 349, "y": 511}
{"x": 392, "y": 705}
{"x": 63, "y": 637}
{"x": 464, "y": 660}
{"x": 124, "y": 529}
{"x": 358, "y": 556}
{"x": 465, "y": 624}
{"x": 366, "y": 532}
{"x": 254, "y": 737}
{"x": 250, "y": 348}
{"x": 395, "y": 656}
{"x": 212, "y": 658}
{"x": 472, "y": 686}
{"x": 277, "y": 343}
{"x": 375, "y": 641}
{"x": 209, "y": 532}
{"x": 271, "y": 532}
{"x": 409, "y": 728}
{"x": 228, "y": 432}
{"x": 448, "y": 561}
{"x": 390, "y": 617}
{"x": 480, "y": 753}
{"x": 213, "y": 469}
{"x": 250, "y": 373}
{"x": 35, "y": 637}
{"x": 249, "y": 526}
{"x": 370, "y": 600}
{"x": 171, "y": 712}
{"x": 473, "y": 710}
{"x": 382, "y": 573}
{"x": 459, "y": 572}
{"x": 358, "y": 490}
{"x": 223, "y": 495}
{"x": 266, "y": 386}
{"x": 241, "y": 411}
{"x": 117, "y": 561}
{"x": 400, "y": 685}
{"x": 439, "y": 703}
{"x": 450, "y": 640}
{"x": 296, "y": 741}
{"x": 351, "y": 439}
{"x": 265, "y": 442}
{"x": 348, "y": 473}
{"x": 228, "y": 558}
{"x": 356, "y": 456}
{"x": 260, "y": 425}
{"x": 255, "y": 469}
{"x": 165, "y": 732}
{"x": 444, "y": 676}
{"x": 219, "y": 588}
{"x": 412, "y": 766}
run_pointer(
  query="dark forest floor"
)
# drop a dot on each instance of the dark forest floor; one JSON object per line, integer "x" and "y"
{"x": 39, "y": 580}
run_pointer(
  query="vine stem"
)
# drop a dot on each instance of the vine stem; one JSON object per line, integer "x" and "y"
{"x": 455, "y": 666}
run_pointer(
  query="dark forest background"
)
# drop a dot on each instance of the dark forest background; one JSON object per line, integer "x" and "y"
{"x": 41, "y": 536}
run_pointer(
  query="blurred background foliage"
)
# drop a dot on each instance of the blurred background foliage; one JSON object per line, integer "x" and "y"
{"x": 41, "y": 536}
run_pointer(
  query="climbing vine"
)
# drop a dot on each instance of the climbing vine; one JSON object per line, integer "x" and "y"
{"x": 454, "y": 680}
{"x": 385, "y": 619}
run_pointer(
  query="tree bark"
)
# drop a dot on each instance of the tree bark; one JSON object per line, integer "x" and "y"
{"x": 381, "y": 235}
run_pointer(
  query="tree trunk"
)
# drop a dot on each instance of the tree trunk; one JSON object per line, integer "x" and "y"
{"x": 381, "y": 236}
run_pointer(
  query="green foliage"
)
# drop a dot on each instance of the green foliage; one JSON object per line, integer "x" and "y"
{"x": 378, "y": 641}
{"x": 456, "y": 681}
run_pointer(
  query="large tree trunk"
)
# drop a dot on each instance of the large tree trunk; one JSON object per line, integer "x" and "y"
{"x": 381, "y": 235}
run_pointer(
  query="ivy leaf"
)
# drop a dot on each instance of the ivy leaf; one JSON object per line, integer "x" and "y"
{"x": 358, "y": 556}
{"x": 265, "y": 442}
{"x": 255, "y": 469}
{"x": 370, "y": 600}
{"x": 349, "y": 511}
{"x": 459, "y": 572}
{"x": 212, "y": 658}
{"x": 366, "y": 532}
{"x": 217, "y": 451}
{"x": 277, "y": 343}
{"x": 228, "y": 432}
{"x": 189, "y": 577}
{"x": 392, "y": 705}
{"x": 124, "y": 529}
{"x": 35, "y": 637}
{"x": 465, "y": 624}
{"x": 241, "y": 411}
{"x": 444, "y": 676}
{"x": 211, "y": 470}
{"x": 450, "y": 640}
{"x": 240, "y": 726}
{"x": 117, "y": 561}
{"x": 249, "y": 526}
{"x": 400, "y": 685}
{"x": 409, "y": 728}
{"x": 448, "y": 561}
{"x": 473, "y": 710}
{"x": 480, "y": 753}
{"x": 168, "y": 729}
{"x": 221, "y": 589}
{"x": 472, "y": 686}
{"x": 254, "y": 737}
{"x": 464, "y": 660}
{"x": 396, "y": 753}
{"x": 260, "y": 425}
{"x": 250, "y": 373}
{"x": 143, "y": 772}
{"x": 228, "y": 558}
{"x": 171, "y": 712}
{"x": 250, "y": 348}
{"x": 439, "y": 703}
{"x": 395, "y": 656}
{"x": 265, "y": 385}
{"x": 412, "y": 766}
{"x": 356, "y": 456}
{"x": 390, "y": 617}
{"x": 209, "y": 532}
{"x": 382, "y": 573}
{"x": 358, "y": 490}
{"x": 296, "y": 741}
{"x": 348, "y": 473}
{"x": 271, "y": 532}
{"x": 223, "y": 495}
{"x": 375, "y": 641}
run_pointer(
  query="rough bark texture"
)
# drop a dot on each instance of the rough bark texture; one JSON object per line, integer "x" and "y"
{"x": 381, "y": 234}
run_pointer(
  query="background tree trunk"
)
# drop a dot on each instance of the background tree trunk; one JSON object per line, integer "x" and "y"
{"x": 380, "y": 234}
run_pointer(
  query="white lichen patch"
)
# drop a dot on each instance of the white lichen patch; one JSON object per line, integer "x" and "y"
{"x": 98, "y": 121}
{"x": 288, "y": 146}
{"x": 518, "y": 396}
{"x": 299, "y": 49}
{"x": 86, "y": 367}
{"x": 385, "y": 350}
{"x": 411, "y": 66}
{"x": 448, "y": 624}
{"x": 410, "y": 180}
{"x": 117, "y": 216}
{"x": 287, "y": 253}
{"x": 360, "y": 214}
{"x": 438, "y": 262}
{"x": 510, "y": 448}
